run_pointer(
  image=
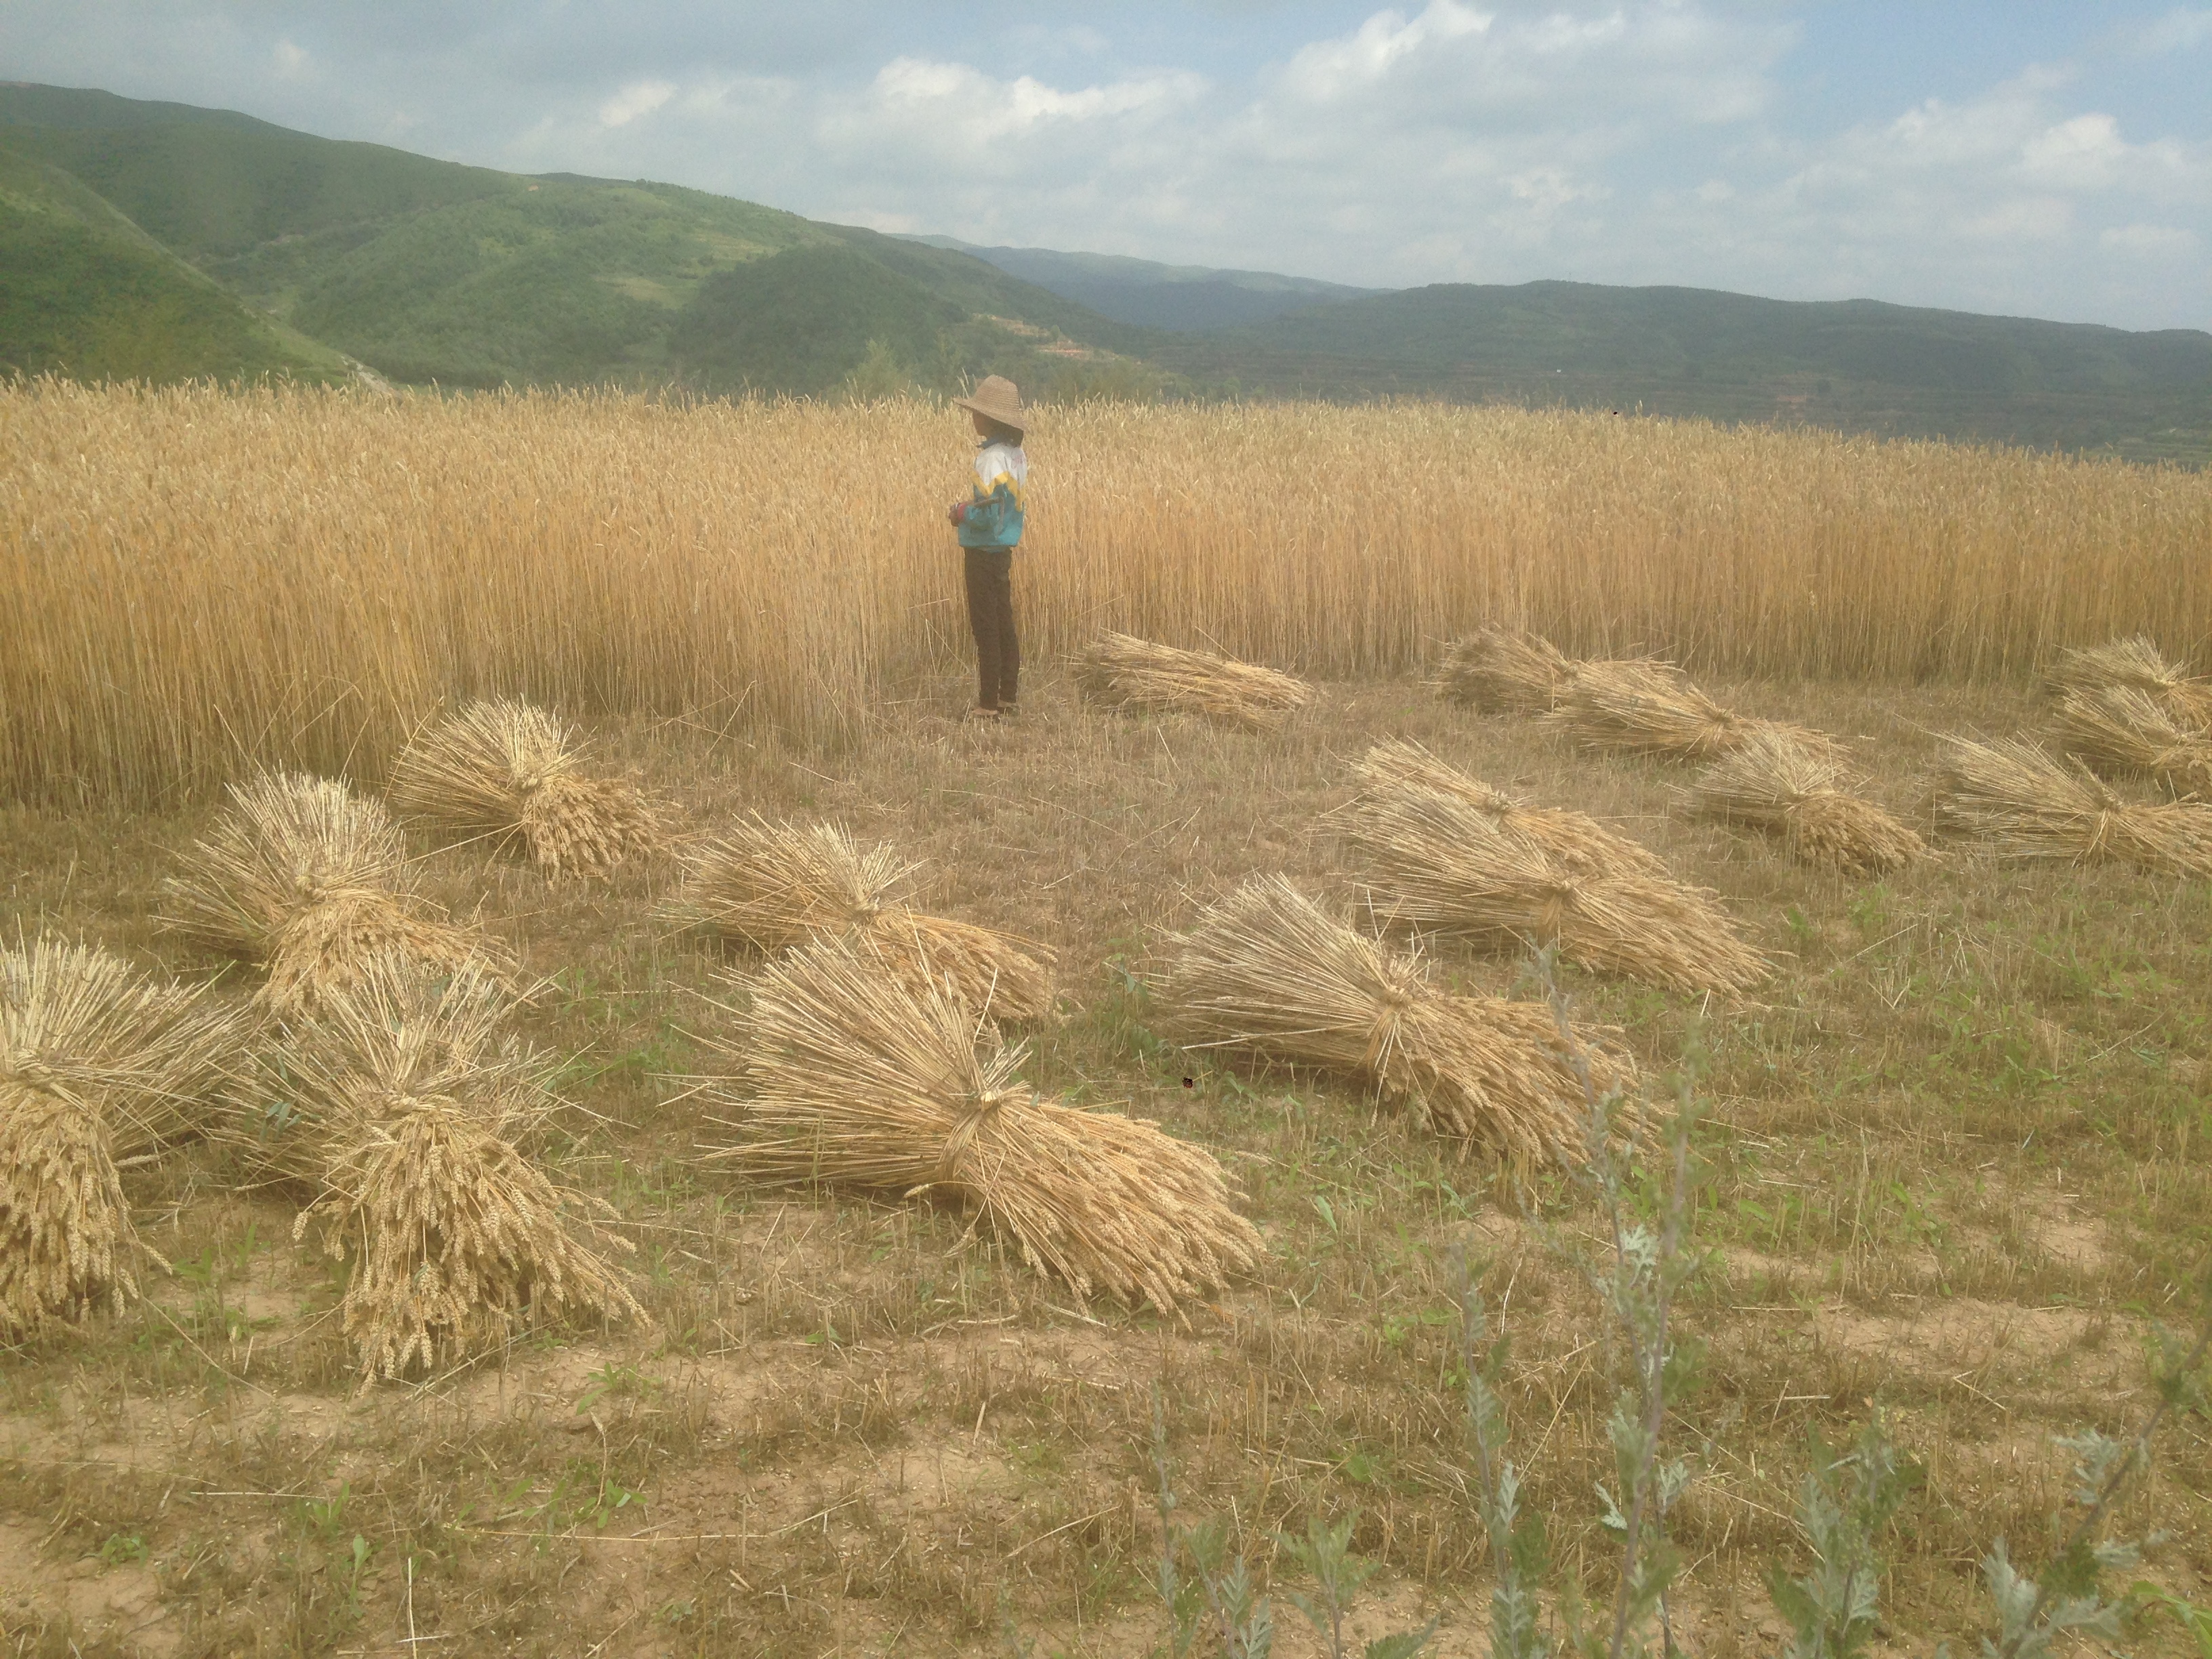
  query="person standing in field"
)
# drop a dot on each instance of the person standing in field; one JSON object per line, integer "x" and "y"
{"x": 990, "y": 525}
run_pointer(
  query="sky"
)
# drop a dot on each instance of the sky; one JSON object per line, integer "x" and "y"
{"x": 2011, "y": 156}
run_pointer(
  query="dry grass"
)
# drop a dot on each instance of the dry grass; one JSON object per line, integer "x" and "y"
{"x": 2129, "y": 730}
{"x": 1955, "y": 1160}
{"x": 1268, "y": 972}
{"x": 2013, "y": 794}
{"x": 1644, "y": 708}
{"x": 1579, "y": 841}
{"x": 859, "y": 1079}
{"x": 98, "y": 1063}
{"x": 1802, "y": 795}
{"x": 2134, "y": 664}
{"x": 1504, "y": 670}
{"x": 605, "y": 554}
{"x": 775, "y": 886}
{"x": 311, "y": 883}
{"x": 1435, "y": 861}
{"x": 1125, "y": 672}
{"x": 408, "y": 1106}
{"x": 507, "y": 770}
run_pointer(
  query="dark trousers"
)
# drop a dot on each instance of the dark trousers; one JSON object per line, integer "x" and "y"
{"x": 991, "y": 615}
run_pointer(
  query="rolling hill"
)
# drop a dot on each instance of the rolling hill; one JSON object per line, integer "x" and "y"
{"x": 162, "y": 242}
{"x": 431, "y": 271}
{"x": 1857, "y": 364}
{"x": 1182, "y": 299}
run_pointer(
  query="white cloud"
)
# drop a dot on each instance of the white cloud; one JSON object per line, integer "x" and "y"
{"x": 2181, "y": 30}
{"x": 1634, "y": 141}
{"x": 639, "y": 98}
{"x": 2152, "y": 241}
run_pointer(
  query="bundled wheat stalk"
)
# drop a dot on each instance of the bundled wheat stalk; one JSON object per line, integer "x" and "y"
{"x": 1652, "y": 709}
{"x": 775, "y": 885}
{"x": 1130, "y": 672}
{"x": 1268, "y": 972}
{"x": 2124, "y": 728}
{"x": 1575, "y": 839}
{"x": 408, "y": 1106}
{"x": 1803, "y": 795}
{"x": 863, "y": 1079}
{"x": 2012, "y": 793}
{"x": 507, "y": 769}
{"x": 1439, "y": 863}
{"x": 310, "y": 882}
{"x": 99, "y": 1064}
{"x": 1505, "y": 670}
{"x": 2135, "y": 664}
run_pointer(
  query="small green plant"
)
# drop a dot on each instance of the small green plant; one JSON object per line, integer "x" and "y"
{"x": 121, "y": 1548}
{"x": 325, "y": 1516}
{"x": 1222, "y": 1603}
{"x": 1846, "y": 1500}
{"x": 1326, "y": 1552}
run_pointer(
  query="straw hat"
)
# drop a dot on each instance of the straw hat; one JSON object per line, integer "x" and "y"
{"x": 996, "y": 399}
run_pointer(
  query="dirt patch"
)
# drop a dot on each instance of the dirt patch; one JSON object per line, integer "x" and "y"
{"x": 117, "y": 1600}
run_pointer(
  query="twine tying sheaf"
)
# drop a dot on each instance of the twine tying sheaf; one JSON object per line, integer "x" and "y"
{"x": 1383, "y": 1036}
{"x": 955, "y": 1150}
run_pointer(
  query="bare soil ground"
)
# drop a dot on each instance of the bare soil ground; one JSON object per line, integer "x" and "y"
{"x": 1957, "y": 1167}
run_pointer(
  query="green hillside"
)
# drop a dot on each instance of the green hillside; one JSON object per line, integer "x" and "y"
{"x": 1147, "y": 293}
{"x": 430, "y": 272}
{"x": 84, "y": 292}
{"x": 161, "y": 241}
{"x": 1854, "y": 364}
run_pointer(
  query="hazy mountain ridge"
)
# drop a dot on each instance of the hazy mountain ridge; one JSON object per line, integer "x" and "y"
{"x": 163, "y": 241}
{"x": 1147, "y": 293}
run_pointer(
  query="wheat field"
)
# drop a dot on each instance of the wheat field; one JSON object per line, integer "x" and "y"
{"x": 299, "y": 576}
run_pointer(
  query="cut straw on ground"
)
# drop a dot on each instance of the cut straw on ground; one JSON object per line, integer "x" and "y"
{"x": 2024, "y": 803}
{"x": 1504, "y": 670}
{"x": 310, "y": 882}
{"x": 2135, "y": 664}
{"x": 1268, "y": 972}
{"x": 1646, "y": 708}
{"x": 409, "y": 1108}
{"x": 1434, "y": 862}
{"x": 1124, "y": 671}
{"x": 2126, "y": 730}
{"x": 1802, "y": 795}
{"x": 1576, "y": 840}
{"x": 772, "y": 885}
{"x": 510, "y": 771}
{"x": 98, "y": 1063}
{"x": 861, "y": 1079}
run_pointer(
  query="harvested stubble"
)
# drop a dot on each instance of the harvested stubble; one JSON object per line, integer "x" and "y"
{"x": 2014, "y": 794}
{"x": 507, "y": 770}
{"x": 1268, "y": 972}
{"x": 2136, "y": 665}
{"x": 1126, "y": 672}
{"x": 2124, "y": 728}
{"x": 1803, "y": 795}
{"x": 864, "y": 1080}
{"x": 1576, "y": 840}
{"x": 98, "y": 1064}
{"x": 1437, "y": 862}
{"x": 408, "y": 1105}
{"x": 1649, "y": 707}
{"x": 775, "y": 885}
{"x": 1505, "y": 670}
{"x": 311, "y": 883}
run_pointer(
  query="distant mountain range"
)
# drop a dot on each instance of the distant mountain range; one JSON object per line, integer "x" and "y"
{"x": 164, "y": 241}
{"x": 1182, "y": 299}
